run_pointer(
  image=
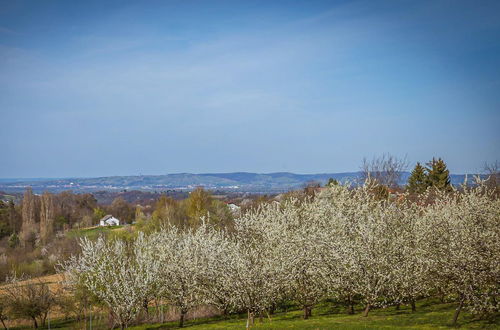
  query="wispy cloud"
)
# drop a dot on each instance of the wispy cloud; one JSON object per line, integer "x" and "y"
{"x": 315, "y": 90}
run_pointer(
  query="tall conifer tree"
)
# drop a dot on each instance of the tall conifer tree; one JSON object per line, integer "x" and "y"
{"x": 418, "y": 181}
{"x": 438, "y": 175}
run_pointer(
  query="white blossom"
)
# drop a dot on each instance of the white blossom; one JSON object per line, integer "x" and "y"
{"x": 345, "y": 243}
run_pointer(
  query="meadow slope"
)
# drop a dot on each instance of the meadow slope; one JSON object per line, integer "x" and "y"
{"x": 430, "y": 314}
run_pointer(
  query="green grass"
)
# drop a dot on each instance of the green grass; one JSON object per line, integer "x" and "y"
{"x": 435, "y": 316}
{"x": 429, "y": 315}
{"x": 92, "y": 233}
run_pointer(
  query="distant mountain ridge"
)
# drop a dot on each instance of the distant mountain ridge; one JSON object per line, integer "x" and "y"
{"x": 235, "y": 181}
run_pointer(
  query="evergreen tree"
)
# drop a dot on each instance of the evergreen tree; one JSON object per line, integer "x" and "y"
{"x": 332, "y": 182}
{"x": 438, "y": 175}
{"x": 418, "y": 181}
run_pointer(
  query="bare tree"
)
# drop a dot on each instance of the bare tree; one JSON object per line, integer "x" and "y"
{"x": 29, "y": 299}
{"x": 29, "y": 227}
{"x": 46, "y": 217}
{"x": 385, "y": 169}
{"x": 3, "y": 310}
{"x": 492, "y": 170}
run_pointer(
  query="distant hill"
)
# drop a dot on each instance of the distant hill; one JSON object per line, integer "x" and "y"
{"x": 237, "y": 181}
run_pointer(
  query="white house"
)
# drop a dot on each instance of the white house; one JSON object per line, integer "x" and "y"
{"x": 109, "y": 220}
{"x": 235, "y": 209}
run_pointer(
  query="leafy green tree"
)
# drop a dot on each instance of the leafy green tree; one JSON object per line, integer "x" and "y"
{"x": 139, "y": 214}
{"x": 198, "y": 205}
{"x": 61, "y": 222}
{"x": 438, "y": 176}
{"x": 220, "y": 214}
{"x": 167, "y": 212}
{"x": 122, "y": 210}
{"x": 418, "y": 181}
{"x": 99, "y": 213}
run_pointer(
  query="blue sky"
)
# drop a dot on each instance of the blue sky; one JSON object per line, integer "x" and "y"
{"x": 128, "y": 87}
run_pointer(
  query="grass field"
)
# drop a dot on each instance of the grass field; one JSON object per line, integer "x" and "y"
{"x": 429, "y": 315}
{"x": 94, "y": 232}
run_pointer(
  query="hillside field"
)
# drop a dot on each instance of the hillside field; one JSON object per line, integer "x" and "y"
{"x": 94, "y": 232}
{"x": 430, "y": 314}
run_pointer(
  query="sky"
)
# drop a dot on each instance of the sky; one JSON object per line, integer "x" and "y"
{"x": 100, "y": 88}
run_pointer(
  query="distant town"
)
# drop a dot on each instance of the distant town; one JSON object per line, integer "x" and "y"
{"x": 241, "y": 182}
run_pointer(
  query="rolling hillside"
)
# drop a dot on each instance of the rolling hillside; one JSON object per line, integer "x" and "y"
{"x": 237, "y": 181}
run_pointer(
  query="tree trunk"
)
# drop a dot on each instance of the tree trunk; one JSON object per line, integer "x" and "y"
{"x": 181, "y": 320}
{"x": 350, "y": 305}
{"x": 111, "y": 320}
{"x": 413, "y": 306}
{"x": 457, "y": 311}
{"x": 307, "y": 312}
{"x": 145, "y": 305}
{"x": 249, "y": 319}
{"x": 367, "y": 310}
{"x": 35, "y": 323}
{"x": 398, "y": 306}
{"x": 3, "y": 323}
{"x": 44, "y": 318}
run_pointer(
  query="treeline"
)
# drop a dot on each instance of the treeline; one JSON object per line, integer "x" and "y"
{"x": 32, "y": 236}
{"x": 38, "y": 217}
{"x": 345, "y": 244}
{"x": 435, "y": 175}
{"x": 185, "y": 213}
{"x": 34, "y": 233}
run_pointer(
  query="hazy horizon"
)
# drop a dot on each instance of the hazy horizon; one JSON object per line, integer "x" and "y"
{"x": 200, "y": 173}
{"x": 94, "y": 89}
